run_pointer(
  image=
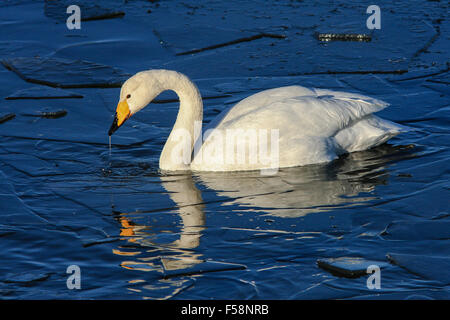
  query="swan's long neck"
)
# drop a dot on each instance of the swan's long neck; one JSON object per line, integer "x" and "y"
{"x": 177, "y": 152}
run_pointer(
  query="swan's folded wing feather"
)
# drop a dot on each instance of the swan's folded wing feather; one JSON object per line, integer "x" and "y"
{"x": 326, "y": 115}
{"x": 296, "y": 109}
{"x": 259, "y": 101}
{"x": 371, "y": 104}
{"x": 302, "y": 116}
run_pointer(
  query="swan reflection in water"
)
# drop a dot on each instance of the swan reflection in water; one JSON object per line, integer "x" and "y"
{"x": 190, "y": 208}
{"x": 291, "y": 193}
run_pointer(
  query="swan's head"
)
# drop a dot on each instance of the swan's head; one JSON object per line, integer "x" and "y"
{"x": 136, "y": 93}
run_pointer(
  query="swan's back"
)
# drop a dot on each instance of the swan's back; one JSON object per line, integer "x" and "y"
{"x": 314, "y": 125}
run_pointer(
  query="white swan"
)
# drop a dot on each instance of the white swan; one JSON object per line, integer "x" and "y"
{"x": 307, "y": 125}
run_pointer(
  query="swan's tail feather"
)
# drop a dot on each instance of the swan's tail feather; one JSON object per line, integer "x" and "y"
{"x": 367, "y": 133}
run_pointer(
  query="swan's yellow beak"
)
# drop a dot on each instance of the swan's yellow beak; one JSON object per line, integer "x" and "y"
{"x": 122, "y": 114}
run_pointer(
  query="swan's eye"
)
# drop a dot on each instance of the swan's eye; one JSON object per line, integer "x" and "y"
{"x": 128, "y": 96}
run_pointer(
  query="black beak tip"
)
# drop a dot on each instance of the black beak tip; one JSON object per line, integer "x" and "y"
{"x": 113, "y": 127}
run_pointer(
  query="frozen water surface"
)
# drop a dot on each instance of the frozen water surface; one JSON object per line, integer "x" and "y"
{"x": 138, "y": 234}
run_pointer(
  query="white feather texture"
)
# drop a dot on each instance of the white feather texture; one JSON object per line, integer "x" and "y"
{"x": 312, "y": 125}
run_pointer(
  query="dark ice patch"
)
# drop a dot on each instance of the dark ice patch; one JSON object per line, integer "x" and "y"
{"x": 26, "y": 278}
{"x": 7, "y": 117}
{"x": 120, "y": 51}
{"x": 417, "y": 230}
{"x": 40, "y": 92}
{"x": 64, "y": 73}
{"x": 439, "y": 87}
{"x": 429, "y": 267}
{"x": 7, "y": 3}
{"x": 187, "y": 41}
{"x": 89, "y": 10}
{"x": 23, "y": 48}
{"x": 348, "y": 267}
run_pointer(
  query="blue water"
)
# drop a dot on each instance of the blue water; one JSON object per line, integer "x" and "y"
{"x": 136, "y": 233}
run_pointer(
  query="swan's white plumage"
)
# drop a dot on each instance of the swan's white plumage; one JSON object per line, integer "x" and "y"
{"x": 314, "y": 125}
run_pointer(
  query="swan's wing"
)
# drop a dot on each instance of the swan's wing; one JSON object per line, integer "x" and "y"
{"x": 298, "y": 111}
{"x": 258, "y": 101}
{"x": 307, "y": 122}
{"x": 365, "y": 130}
{"x": 371, "y": 104}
